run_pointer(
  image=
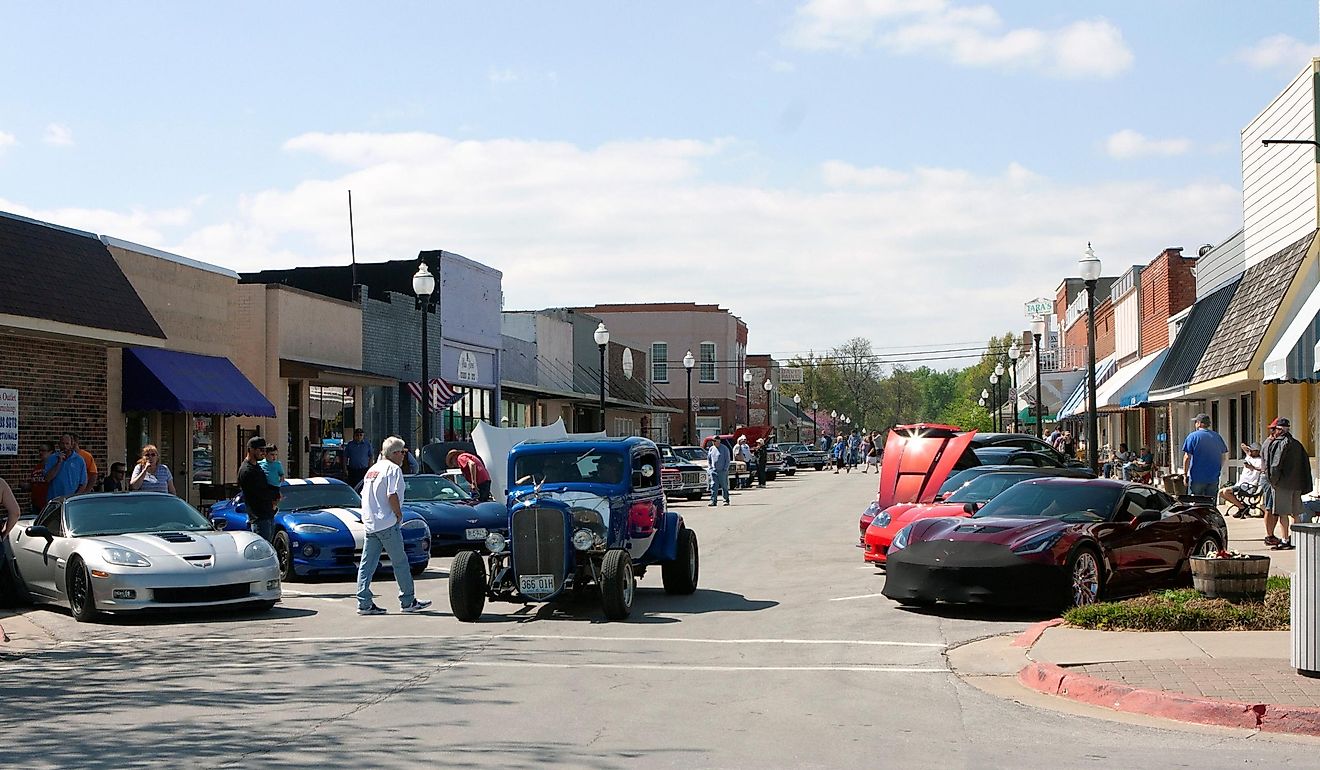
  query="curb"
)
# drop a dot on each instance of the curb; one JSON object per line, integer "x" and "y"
{"x": 1033, "y": 633}
{"x": 1057, "y": 680}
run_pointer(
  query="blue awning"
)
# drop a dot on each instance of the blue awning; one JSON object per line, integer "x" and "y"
{"x": 1076, "y": 403}
{"x": 170, "y": 381}
{"x": 1137, "y": 391}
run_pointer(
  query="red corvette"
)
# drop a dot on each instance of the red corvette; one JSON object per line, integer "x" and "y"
{"x": 918, "y": 459}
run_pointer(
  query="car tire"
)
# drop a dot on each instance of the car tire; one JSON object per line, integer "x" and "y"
{"x": 467, "y": 586}
{"x": 680, "y": 575}
{"x": 1081, "y": 562}
{"x": 820, "y": 467}
{"x": 918, "y": 603}
{"x": 265, "y": 606}
{"x": 617, "y": 584}
{"x": 418, "y": 569}
{"x": 1208, "y": 545}
{"x": 284, "y": 556}
{"x": 82, "y": 601}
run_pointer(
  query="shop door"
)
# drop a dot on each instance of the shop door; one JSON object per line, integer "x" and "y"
{"x": 176, "y": 452}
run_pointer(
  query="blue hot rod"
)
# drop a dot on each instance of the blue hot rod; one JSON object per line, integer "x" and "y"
{"x": 580, "y": 514}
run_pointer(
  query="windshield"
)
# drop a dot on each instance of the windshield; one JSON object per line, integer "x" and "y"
{"x": 691, "y": 453}
{"x": 591, "y": 467}
{"x": 960, "y": 478}
{"x": 1035, "y": 499}
{"x": 668, "y": 453}
{"x": 122, "y": 514}
{"x": 987, "y": 487}
{"x": 432, "y": 488}
{"x": 791, "y": 448}
{"x": 302, "y": 497}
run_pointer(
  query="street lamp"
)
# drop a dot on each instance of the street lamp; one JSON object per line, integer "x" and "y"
{"x": 688, "y": 363}
{"x": 797, "y": 402}
{"x": 423, "y": 286}
{"x": 1038, "y": 329}
{"x": 1014, "y": 352}
{"x": 815, "y": 426}
{"x": 834, "y": 422}
{"x": 768, "y": 386}
{"x": 994, "y": 397}
{"x": 747, "y": 388}
{"x": 1089, "y": 267}
{"x": 602, "y": 336}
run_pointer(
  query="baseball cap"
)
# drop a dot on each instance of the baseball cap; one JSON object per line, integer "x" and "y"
{"x": 1253, "y": 446}
{"x": 1281, "y": 422}
{"x": 256, "y": 442}
{"x": 1202, "y": 417}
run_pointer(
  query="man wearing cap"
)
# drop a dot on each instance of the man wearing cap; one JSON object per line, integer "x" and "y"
{"x": 1204, "y": 455}
{"x": 1248, "y": 483}
{"x": 1288, "y": 468}
{"x": 259, "y": 497}
{"x": 357, "y": 457}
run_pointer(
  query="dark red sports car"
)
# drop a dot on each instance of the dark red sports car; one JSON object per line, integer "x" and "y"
{"x": 1053, "y": 542}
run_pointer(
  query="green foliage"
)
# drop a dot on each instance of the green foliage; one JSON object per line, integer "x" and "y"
{"x": 1187, "y": 610}
{"x": 966, "y": 415}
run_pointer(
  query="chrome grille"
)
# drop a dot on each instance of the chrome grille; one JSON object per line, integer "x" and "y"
{"x": 539, "y": 538}
{"x": 694, "y": 478}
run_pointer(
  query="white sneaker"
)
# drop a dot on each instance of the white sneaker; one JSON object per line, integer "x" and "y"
{"x": 417, "y": 606}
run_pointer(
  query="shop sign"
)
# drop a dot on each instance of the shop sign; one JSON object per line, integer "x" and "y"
{"x": 790, "y": 375}
{"x": 467, "y": 366}
{"x": 8, "y": 421}
{"x": 1039, "y": 307}
{"x": 708, "y": 406}
{"x": 627, "y": 364}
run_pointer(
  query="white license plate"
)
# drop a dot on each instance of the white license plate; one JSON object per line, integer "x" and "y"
{"x": 533, "y": 585}
{"x": 475, "y": 534}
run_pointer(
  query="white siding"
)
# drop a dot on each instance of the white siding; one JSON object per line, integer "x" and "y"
{"x": 1220, "y": 265}
{"x": 1279, "y": 182}
{"x": 1127, "y": 315}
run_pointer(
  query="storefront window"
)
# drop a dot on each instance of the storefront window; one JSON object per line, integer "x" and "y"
{"x": 203, "y": 449}
{"x": 329, "y": 409}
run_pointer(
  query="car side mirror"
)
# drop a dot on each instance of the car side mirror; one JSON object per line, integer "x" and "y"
{"x": 970, "y": 507}
{"x": 37, "y": 530}
{"x": 1147, "y": 516}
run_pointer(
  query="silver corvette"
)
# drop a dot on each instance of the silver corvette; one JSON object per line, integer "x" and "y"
{"x": 126, "y": 552}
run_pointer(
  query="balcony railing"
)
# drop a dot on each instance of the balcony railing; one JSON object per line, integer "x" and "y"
{"x": 1065, "y": 359}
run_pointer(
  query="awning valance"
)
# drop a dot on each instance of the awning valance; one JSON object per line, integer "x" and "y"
{"x": 1076, "y": 403}
{"x": 169, "y": 381}
{"x": 1293, "y": 358}
{"x": 328, "y": 374}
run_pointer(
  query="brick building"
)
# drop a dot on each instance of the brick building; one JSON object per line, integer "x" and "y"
{"x": 1168, "y": 286}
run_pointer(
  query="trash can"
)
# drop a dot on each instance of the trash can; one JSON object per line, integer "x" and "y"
{"x": 1305, "y": 600}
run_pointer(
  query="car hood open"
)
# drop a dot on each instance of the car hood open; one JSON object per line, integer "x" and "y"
{"x": 917, "y": 460}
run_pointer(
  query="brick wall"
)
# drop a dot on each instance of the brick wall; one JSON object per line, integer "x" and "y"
{"x": 1168, "y": 286}
{"x": 1075, "y": 335}
{"x": 61, "y": 387}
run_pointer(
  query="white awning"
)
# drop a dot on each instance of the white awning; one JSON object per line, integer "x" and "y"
{"x": 1110, "y": 395}
{"x": 1293, "y": 357}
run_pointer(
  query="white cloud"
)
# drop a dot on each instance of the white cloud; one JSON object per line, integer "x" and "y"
{"x": 1278, "y": 52}
{"x": 7, "y": 140}
{"x": 143, "y": 226}
{"x": 972, "y": 36}
{"x": 1131, "y": 144}
{"x": 502, "y": 76}
{"x": 58, "y": 135}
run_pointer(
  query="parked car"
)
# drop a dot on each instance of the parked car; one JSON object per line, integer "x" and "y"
{"x": 682, "y": 477}
{"x": 118, "y": 553}
{"x": 918, "y": 460}
{"x": 803, "y": 456}
{"x": 1007, "y": 445}
{"x": 583, "y": 516}
{"x": 738, "y": 471}
{"x": 319, "y": 531}
{"x": 1054, "y": 542}
{"x": 455, "y": 520}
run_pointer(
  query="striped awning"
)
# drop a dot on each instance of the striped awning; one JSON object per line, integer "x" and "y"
{"x": 1075, "y": 404}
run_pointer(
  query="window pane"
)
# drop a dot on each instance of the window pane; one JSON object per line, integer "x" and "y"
{"x": 659, "y": 362}
{"x": 707, "y": 373}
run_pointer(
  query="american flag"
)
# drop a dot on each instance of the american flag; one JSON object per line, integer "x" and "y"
{"x": 442, "y": 393}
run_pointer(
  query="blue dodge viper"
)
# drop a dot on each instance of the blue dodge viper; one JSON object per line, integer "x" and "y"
{"x": 457, "y": 523}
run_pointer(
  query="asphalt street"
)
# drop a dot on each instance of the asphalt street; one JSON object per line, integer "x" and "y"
{"x": 785, "y": 657}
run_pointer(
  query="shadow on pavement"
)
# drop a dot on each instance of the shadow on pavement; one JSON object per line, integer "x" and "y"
{"x": 976, "y": 612}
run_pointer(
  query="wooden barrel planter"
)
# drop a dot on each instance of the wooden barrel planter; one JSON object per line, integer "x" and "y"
{"x": 1232, "y": 579}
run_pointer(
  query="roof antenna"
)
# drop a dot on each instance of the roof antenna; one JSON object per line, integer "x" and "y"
{"x": 352, "y": 248}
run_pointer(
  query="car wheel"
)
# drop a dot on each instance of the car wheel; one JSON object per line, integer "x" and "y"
{"x": 680, "y": 575}
{"x": 265, "y": 606}
{"x": 820, "y": 467}
{"x": 82, "y": 602}
{"x": 1208, "y": 545}
{"x": 617, "y": 584}
{"x": 911, "y": 602}
{"x": 1084, "y": 577}
{"x": 418, "y": 569}
{"x": 284, "y": 555}
{"x": 467, "y": 586}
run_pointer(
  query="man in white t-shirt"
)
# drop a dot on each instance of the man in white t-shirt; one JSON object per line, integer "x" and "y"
{"x": 382, "y": 515}
{"x": 1248, "y": 482}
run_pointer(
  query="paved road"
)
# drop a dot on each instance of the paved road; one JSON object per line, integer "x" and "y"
{"x": 786, "y": 657}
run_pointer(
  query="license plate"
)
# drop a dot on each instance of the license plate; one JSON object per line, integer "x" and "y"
{"x": 474, "y": 534}
{"x": 535, "y": 585}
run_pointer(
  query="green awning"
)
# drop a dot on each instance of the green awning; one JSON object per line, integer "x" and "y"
{"x": 1025, "y": 417}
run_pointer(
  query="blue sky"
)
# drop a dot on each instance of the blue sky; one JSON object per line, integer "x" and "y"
{"x": 907, "y": 170}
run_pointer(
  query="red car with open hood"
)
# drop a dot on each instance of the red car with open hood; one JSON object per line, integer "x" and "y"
{"x": 917, "y": 460}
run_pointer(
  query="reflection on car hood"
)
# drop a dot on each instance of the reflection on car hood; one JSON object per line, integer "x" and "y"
{"x": 917, "y": 460}
{"x": 589, "y": 500}
{"x": 1005, "y": 530}
{"x": 192, "y": 543}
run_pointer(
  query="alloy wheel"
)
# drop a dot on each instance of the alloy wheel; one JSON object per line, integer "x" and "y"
{"x": 1085, "y": 579}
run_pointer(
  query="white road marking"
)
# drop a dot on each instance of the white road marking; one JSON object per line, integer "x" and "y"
{"x": 859, "y": 596}
{"x": 519, "y": 637}
{"x": 682, "y": 667}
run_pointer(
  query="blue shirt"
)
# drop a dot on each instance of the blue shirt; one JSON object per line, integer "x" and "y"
{"x": 274, "y": 470}
{"x": 359, "y": 454}
{"x": 1206, "y": 449}
{"x": 72, "y": 475}
{"x": 719, "y": 461}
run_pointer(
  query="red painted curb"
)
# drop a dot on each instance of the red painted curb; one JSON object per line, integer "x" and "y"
{"x": 1033, "y": 633}
{"x": 1057, "y": 680}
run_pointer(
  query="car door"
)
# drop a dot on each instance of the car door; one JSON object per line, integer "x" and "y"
{"x": 37, "y": 558}
{"x": 1141, "y": 553}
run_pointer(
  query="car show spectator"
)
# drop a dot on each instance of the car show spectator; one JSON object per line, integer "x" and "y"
{"x": 273, "y": 467}
{"x": 1288, "y": 468}
{"x": 1248, "y": 482}
{"x": 1068, "y": 444}
{"x": 11, "y": 511}
{"x": 1142, "y": 465}
{"x": 474, "y": 470}
{"x": 762, "y": 453}
{"x": 839, "y": 453}
{"x": 357, "y": 454}
{"x": 743, "y": 453}
{"x": 93, "y": 472}
{"x": 1116, "y": 463}
{"x": 37, "y": 485}
{"x": 382, "y": 516}
{"x": 10, "y": 505}
{"x": 259, "y": 496}
{"x": 65, "y": 470}
{"x": 114, "y": 481}
{"x": 1204, "y": 455}
{"x": 718, "y": 459}
{"x": 150, "y": 474}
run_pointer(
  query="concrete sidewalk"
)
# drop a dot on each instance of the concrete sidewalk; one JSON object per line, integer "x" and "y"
{"x": 1239, "y": 679}
{"x": 1248, "y": 536}
{"x": 22, "y": 635}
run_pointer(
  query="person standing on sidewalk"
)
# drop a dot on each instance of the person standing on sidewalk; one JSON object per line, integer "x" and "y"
{"x": 357, "y": 454}
{"x": 1288, "y": 467}
{"x": 382, "y": 515}
{"x": 1204, "y": 455}
{"x": 717, "y": 457}
{"x": 66, "y": 473}
{"x": 259, "y": 497}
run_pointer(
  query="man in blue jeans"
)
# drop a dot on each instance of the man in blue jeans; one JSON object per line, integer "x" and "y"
{"x": 1204, "y": 455}
{"x": 718, "y": 459}
{"x": 382, "y": 515}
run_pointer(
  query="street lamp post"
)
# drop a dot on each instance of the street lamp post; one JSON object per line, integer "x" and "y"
{"x": 834, "y": 423}
{"x": 424, "y": 285}
{"x": 994, "y": 397}
{"x": 747, "y": 388}
{"x": 602, "y": 336}
{"x": 1089, "y": 266}
{"x": 1013, "y": 353}
{"x": 797, "y": 402}
{"x": 815, "y": 426}
{"x": 1038, "y": 329}
{"x": 768, "y": 386}
{"x": 688, "y": 363}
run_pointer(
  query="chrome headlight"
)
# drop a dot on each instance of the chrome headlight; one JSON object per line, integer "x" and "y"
{"x": 901, "y": 539}
{"x": 1039, "y": 543}
{"x": 583, "y": 539}
{"x": 496, "y": 542}
{"x": 125, "y": 557}
{"x": 413, "y": 524}
{"x": 258, "y": 550}
{"x": 883, "y": 520}
{"x": 312, "y": 529}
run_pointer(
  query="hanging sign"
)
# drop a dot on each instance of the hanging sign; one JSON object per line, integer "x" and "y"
{"x": 1039, "y": 307}
{"x": 8, "y": 421}
{"x": 627, "y": 364}
{"x": 467, "y": 366}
